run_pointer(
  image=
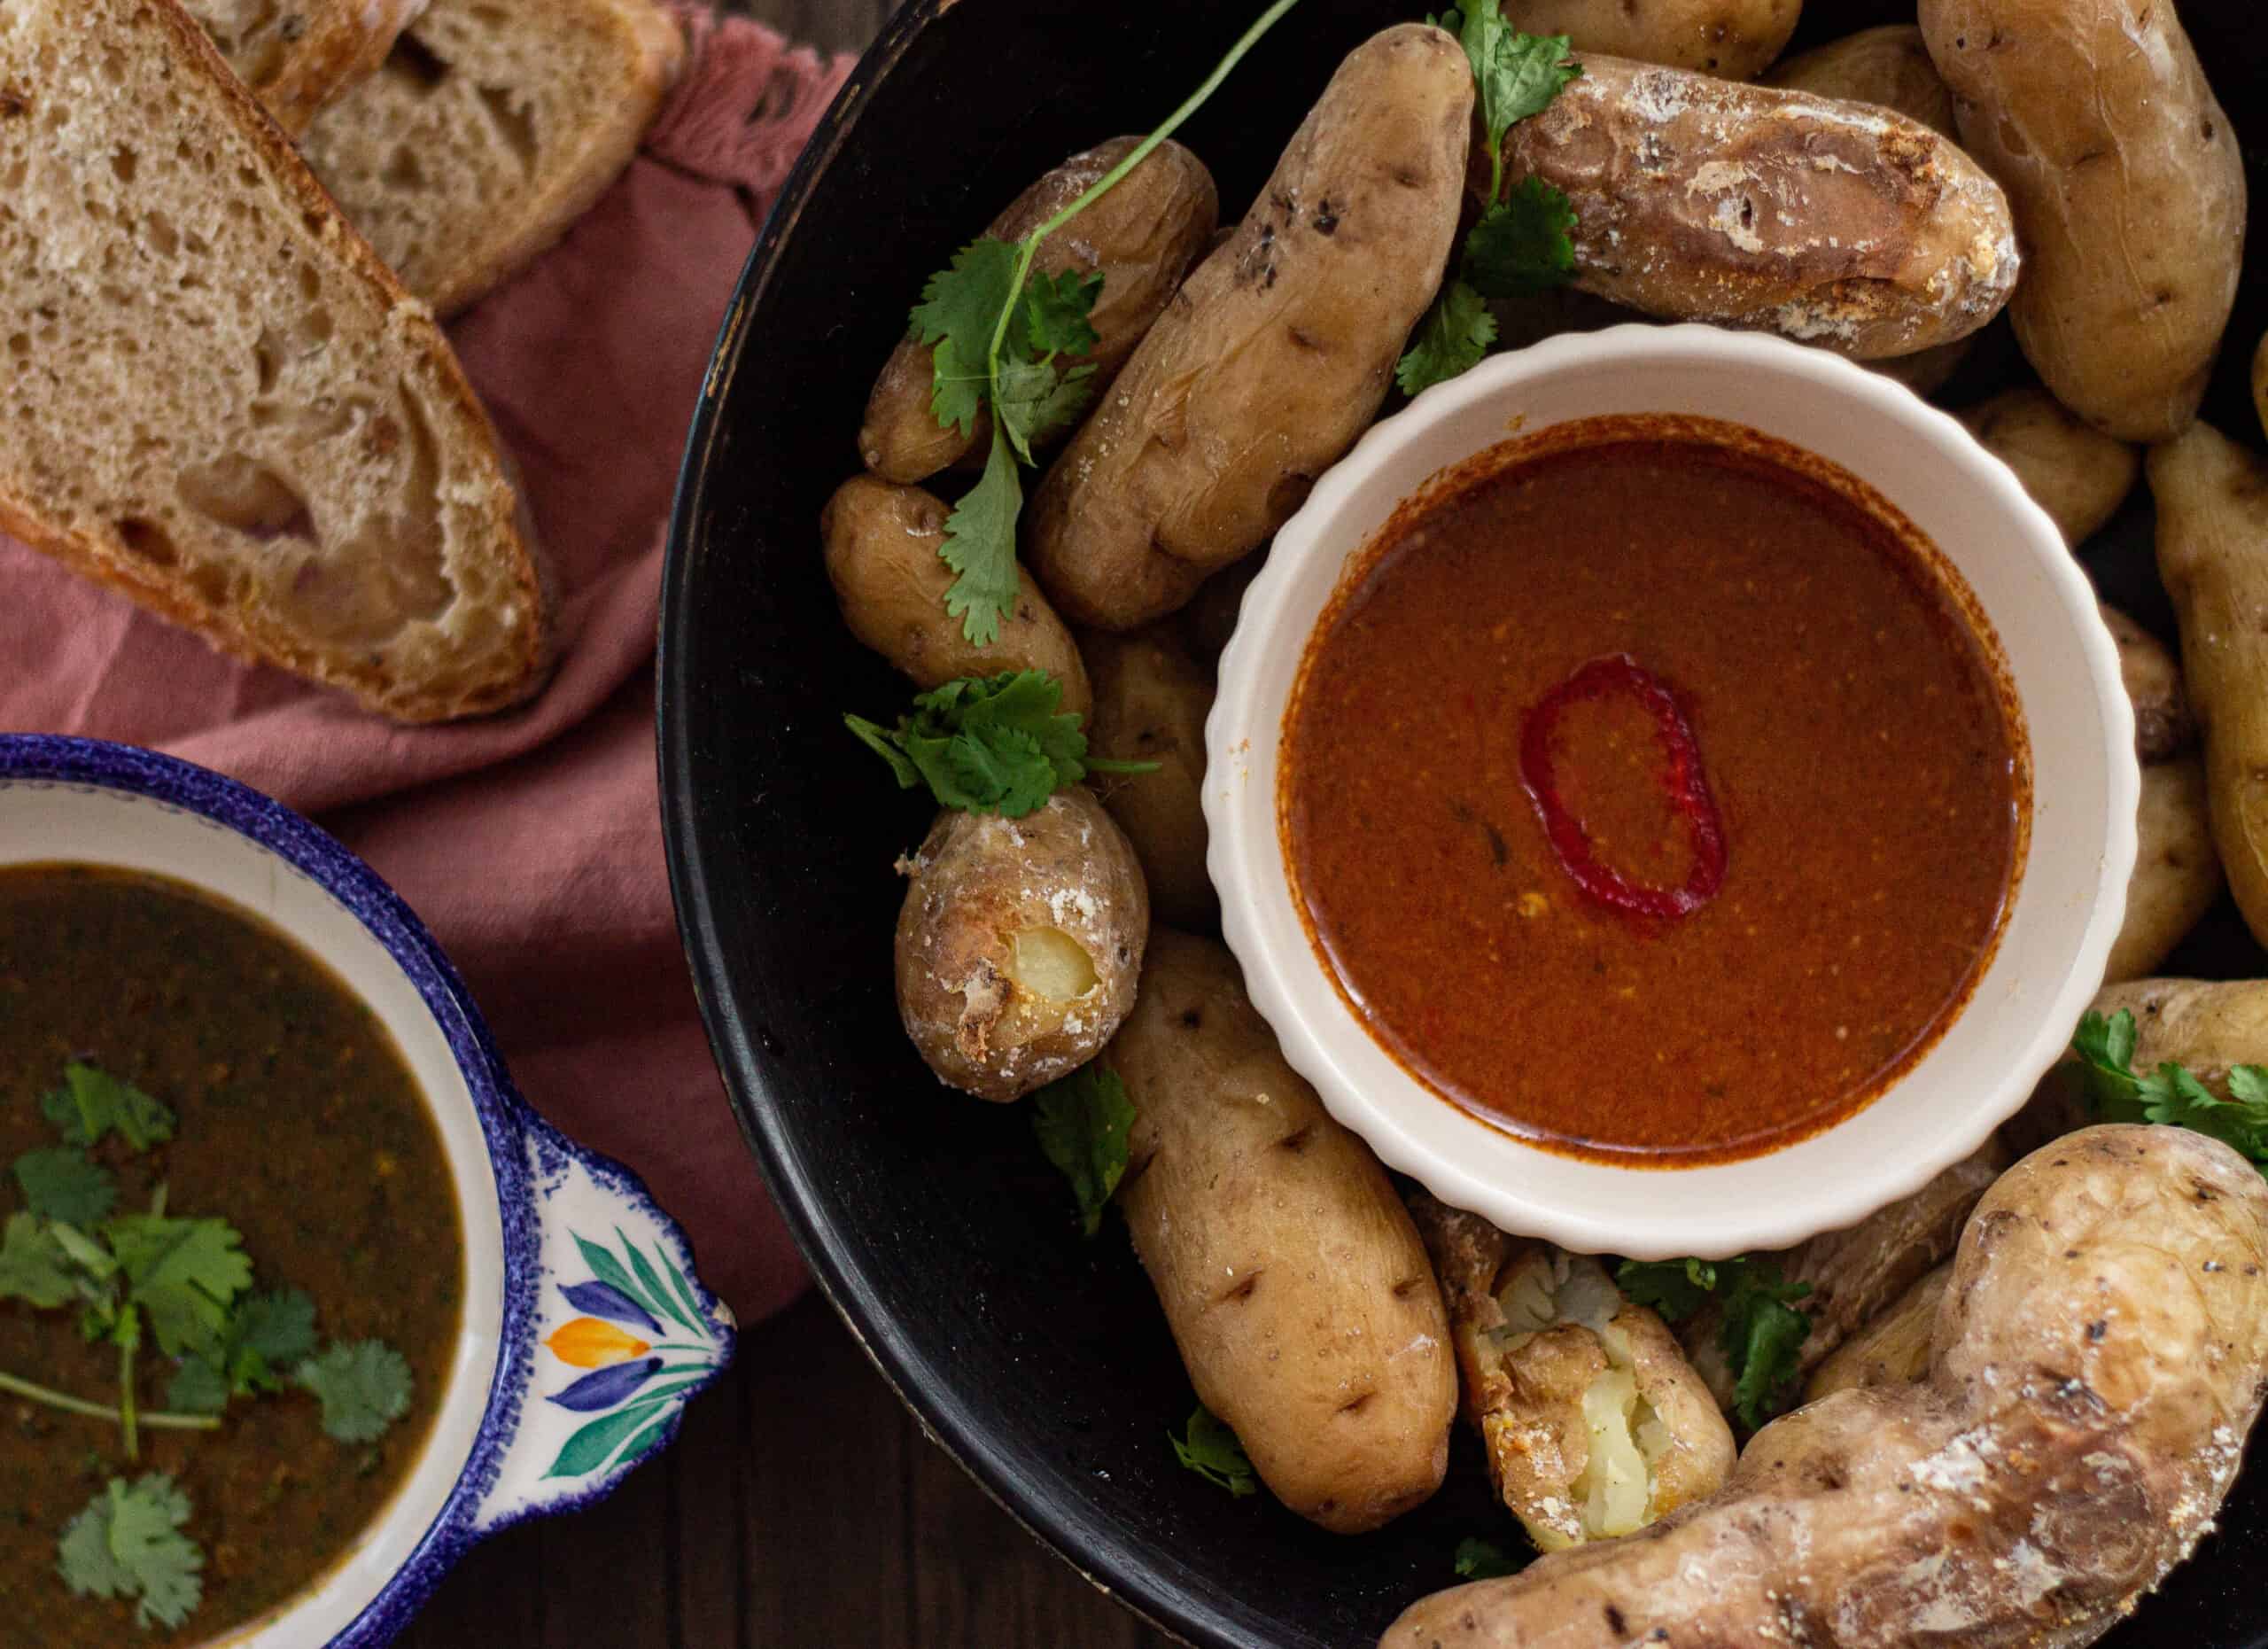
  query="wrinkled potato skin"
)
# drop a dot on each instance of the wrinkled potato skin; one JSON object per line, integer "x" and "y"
{"x": 2212, "y": 498}
{"x": 881, "y": 558}
{"x": 1892, "y": 1349}
{"x": 1150, "y": 702}
{"x": 2075, "y": 472}
{"x": 2098, "y": 1357}
{"x": 1527, "y": 1401}
{"x": 1276, "y": 352}
{"x": 978, "y": 881}
{"x": 2164, "y": 726}
{"x": 2177, "y": 875}
{"x": 1732, "y": 39}
{"x": 1889, "y": 66}
{"x": 1832, "y": 223}
{"x": 1141, "y": 237}
{"x": 1291, "y": 1276}
{"x": 2128, "y": 191}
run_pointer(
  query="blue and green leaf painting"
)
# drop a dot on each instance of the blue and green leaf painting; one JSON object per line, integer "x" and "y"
{"x": 641, "y": 1325}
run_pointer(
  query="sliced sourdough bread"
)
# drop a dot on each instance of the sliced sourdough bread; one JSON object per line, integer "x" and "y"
{"x": 214, "y": 397}
{"x": 297, "y": 54}
{"x": 491, "y": 128}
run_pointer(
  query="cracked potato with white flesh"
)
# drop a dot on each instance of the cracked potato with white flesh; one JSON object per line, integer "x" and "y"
{"x": 1141, "y": 237}
{"x": 1275, "y": 354}
{"x": 2099, "y": 1357}
{"x": 882, "y": 556}
{"x": 1593, "y": 1423}
{"x": 1834, "y": 223}
{"x": 1294, "y": 1282}
{"x": 2128, "y": 189}
{"x": 1732, "y": 39}
{"x": 1019, "y": 944}
{"x": 1150, "y": 702}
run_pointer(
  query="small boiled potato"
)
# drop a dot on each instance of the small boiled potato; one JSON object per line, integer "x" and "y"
{"x": 1210, "y": 618}
{"x": 2162, "y": 726}
{"x": 2207, "y": 1025}
{"x": 2212, "y": 498}
{"x": 1141, "y": 237}
{"x": 2075, "y": 472}
{"x": 1834, "y": 223}
{"x": 1019, "y": 944}
{"x": 1150, "y": 702}
{"x": 1892, "y": 1349}
{"x": 1732, "y": 39}
{"x": 1278, "y": 351}
{"x": 2128, "y": 191}
{"x": 1291, "y": 1276}
{"x": 2176, "y": 876}
{"x": 1889, "y": 66}
{"x": 1594, "y": 1423}
{"x": 1926, "y": 371}
{"x": 881, "y": 558}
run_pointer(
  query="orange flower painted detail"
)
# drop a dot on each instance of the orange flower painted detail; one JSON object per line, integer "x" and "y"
{"x": 587, "y": 1342}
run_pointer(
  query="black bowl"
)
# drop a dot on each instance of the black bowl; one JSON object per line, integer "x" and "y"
{"x": 1042, "y": 1362}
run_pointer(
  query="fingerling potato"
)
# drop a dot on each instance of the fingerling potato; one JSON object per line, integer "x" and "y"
{"x": 1731, "y": 38}
{"x": 1019, "y": 944}
{"x": 2207, "y": 1025}
{"x": 1150, "y": 702}
{"x": 1889, "y": 66}
{"x": 2074, "y": 472}
{"x": 2212, "y": 543}
{"x": 2177, "y": 875}
{"x": 1278, "y": 351}
{"x": 2128, "y": 191}
{"x": 1893, "y": 1348}
{"x": 1830, "y": 222}
{"x": 1295, "y": 1284}
{"x": 2162, "y": 726}
{"x": 882, "y": 556}
{"x": 1141, "y": 237}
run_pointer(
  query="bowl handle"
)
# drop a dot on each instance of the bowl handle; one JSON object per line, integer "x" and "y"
{"x": 617, "y": 1337}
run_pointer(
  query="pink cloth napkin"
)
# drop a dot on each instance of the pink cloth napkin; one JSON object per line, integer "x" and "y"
{"x": 530, "y": 843}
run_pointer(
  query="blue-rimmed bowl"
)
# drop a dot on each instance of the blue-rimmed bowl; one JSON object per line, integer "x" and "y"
{"x": 531, "y": 1421}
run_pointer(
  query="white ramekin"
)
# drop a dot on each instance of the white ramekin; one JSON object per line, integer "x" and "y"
{"x": 2068, "y": 903}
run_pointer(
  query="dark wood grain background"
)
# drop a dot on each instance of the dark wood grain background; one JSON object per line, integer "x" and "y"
{"x": 802, "y": 1508}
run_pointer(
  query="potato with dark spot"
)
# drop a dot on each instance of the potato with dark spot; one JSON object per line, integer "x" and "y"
{"x": 1019, "y": 944}
{"x": 1732, "y": 39}
{"x": 1141, "y": 237}
{"x": 1275, "y": 354}
{"x": 1889, "y": 66}
{"x": 881, "y": 558}
{"x": 1893, "y": 1348}
{"x": 2074, "y": 472}
{"x": 2128, "y": 191}
{"x": 1291, "y": 1276}
{"x": 1150, "y": 702}
{"x": 2098, "y": 1357}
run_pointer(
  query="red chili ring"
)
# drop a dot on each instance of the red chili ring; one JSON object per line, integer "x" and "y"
{"x": 1687, "y": 787}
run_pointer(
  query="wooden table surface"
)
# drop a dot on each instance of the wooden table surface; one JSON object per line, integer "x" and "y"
{"x": 801, "y": 1507}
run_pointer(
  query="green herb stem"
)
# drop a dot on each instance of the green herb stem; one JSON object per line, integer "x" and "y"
{"x": 70, "y": 1404}
{"x": 126, "y": 1401}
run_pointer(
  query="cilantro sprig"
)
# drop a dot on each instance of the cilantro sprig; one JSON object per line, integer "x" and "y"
{"x": 127, "y": 1543}
{"x": 1083, "y": 1122}
{"x": 989, "y": 745}
{"x": 1003, "y": 339}
{"x": 2172, "y": 1094}
{"x": 1522, "y": 241}
{"x": 1483, "y": 1560}
{"x": 1211, "y": 1450}
{"x": 1762, "y": 1331}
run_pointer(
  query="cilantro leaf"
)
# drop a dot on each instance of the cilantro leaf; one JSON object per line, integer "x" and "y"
{"x": 1674, "y": 1289}
{"x": 265, "y": 1334}
{"x": 1523, "y": 242}
{"x": 989, "y": 745}
{"x": 1056, "y": 312}
{"x": 197, "y": 1388}
{"x": 1515, "y": 74}
{"x": 1483, "y": 1560}
{"x": 61, "y": 1184}
{"x": 1082, "y": 1121}
{"x": 959, "y": 310}
{"x": 1212, "y": 1452}
{"x": 1452, "y": 338}
{"x": 34, "y": 1267}
{"x": 92, "y": 1103}
{"x": 2172, "y": 1095}
{"x": 364, "y": 1388}
{"x": 1035, "y": 402}
{"x": 184, "y": 1272}
{"x": 127, "y": 1543}
{"x": 980, "y": 546}
{"x": 1762, "y": 1335}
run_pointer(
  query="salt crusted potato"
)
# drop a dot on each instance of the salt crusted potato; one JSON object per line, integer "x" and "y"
{"x": 1275, "y": 354}
{"x": 881, "y": 558}
{"x": 1835, "y": 223}
{"x": 1855, "y": 1272}
{"x": 1141, "y": 237}
{"x": 1150, "y": 702}
{"x": 1730, "y": 38}
{"x": 2212, "y": 532}
{"x": 1291, "y": 1276}
{"x": 1888, "y": 65}
{"x": 1894, "y": 1347}
{"x": 2100, "y": 1354}
{"x": 1019, "y": 944}
{"x": 1593, "y": 1422}
{"x": 2074, "y": 472}
{"x": 2128, "y": 191}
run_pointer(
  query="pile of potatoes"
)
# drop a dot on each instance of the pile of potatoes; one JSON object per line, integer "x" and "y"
{"x": 2026, "y": 1385}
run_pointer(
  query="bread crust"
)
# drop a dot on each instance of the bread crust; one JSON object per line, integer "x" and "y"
{"x": 332, "y": 44}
